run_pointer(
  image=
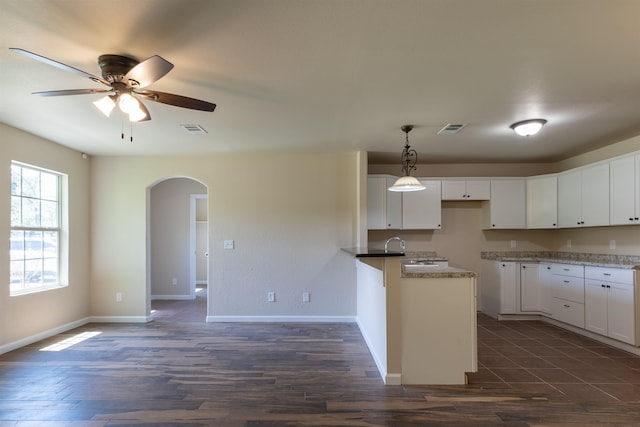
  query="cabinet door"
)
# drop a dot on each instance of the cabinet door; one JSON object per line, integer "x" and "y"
{"x": 595, "y": 195}
{"x": 542, "y": 202}
{"x": 530, "y": 289}
{"x": 595, "y": 306}
{"x": 545, "y": 282}
{"x": 384, "y": 208}
{"x": 621, "y": 312}
{"x": 421, "y": 209}
{"x": 508, "y": 288}
{"x": 569, "y": 199}
{"x": 454, "y": 189}
{"x": 478, "y": 189}
{"x": 507, "y": 204}
{"x": 622, "y": 195}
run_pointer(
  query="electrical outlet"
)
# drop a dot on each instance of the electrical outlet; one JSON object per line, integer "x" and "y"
{"x": 118, "y": 296}
{"x": 174, "y": 281}
{"x": 569, "y": 243}
{"x": 513, "y": 244}
{"x": 612, "y": 244}
{"x": 306, "y": 297}
{"x": 271, "y": 296}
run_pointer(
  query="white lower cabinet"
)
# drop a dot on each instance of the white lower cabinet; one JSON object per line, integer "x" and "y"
{"x": 508, "y": 288}
{"x": 535, "y": 288}
{"x": 609, "y": 303}
{"x": 567, "y": 294}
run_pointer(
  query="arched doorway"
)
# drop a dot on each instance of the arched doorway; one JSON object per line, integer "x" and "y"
{"x": 178, "y": 246}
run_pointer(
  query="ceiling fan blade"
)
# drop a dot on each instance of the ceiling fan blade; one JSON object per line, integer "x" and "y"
{"x": 60, "y": 65}
{"x": 72, "y": 92}
{"x": 177, "y": 100}
{"x": 147, "y": 72}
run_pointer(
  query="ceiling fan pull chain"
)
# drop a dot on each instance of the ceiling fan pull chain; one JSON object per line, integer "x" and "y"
{"x": 122, "y": 129}
{"x": 131, "y": 131}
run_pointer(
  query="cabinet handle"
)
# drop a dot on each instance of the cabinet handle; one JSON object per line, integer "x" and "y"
{"x": 636, "y": 218}
{"x": 548, "y": 268}
{"x": 608, "y": 286}
{"x": 630, "y": 219}
{"x": 567, "y": 305}
{"x": 566, "y": 269}
{"x": 554, "y": 224}
{"x": 607, "y": 274}
{"x": 566, "y": 281}
{"x": 524, "y": 266}
{"x": 603, "y": 286}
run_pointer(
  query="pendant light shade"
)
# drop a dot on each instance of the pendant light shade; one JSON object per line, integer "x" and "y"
{"x": 408, "y": 159}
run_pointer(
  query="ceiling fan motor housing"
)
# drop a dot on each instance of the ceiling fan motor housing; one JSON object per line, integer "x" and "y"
{"x": 115, "y": 67}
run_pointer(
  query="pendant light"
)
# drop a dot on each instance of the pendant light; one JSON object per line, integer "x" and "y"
{"x": 408, "y": 159}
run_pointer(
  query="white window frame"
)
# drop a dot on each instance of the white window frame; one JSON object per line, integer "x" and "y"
{"x": 20, "y": 285}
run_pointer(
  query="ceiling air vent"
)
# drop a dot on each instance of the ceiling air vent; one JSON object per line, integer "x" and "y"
{"x": 194, "y": 129}
{"x": 451, "y": 129}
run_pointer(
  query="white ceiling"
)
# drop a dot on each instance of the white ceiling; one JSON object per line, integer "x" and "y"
{"x": 336, "y": 75}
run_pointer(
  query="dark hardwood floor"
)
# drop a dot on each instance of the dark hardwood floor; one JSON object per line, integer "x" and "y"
{"x": 181, "y": 371}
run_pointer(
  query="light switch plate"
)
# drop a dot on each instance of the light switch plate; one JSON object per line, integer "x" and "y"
{"x": 228, "y": 244}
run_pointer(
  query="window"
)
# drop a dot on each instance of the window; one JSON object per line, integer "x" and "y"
{"x": 35, "y": 229}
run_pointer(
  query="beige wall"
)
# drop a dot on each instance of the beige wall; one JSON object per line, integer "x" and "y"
{"x": 169, "y": 235}
{"x": 289, "y": 215}
{"x": 33, "y": 314}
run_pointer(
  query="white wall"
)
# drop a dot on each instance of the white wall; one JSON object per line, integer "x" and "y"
{"x": 289, "y": 215}
{"x": 32, "y": 315}
{"x": 170, "y": 239}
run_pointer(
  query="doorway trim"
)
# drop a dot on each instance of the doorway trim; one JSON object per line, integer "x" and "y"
{"x": 192, "y": 243}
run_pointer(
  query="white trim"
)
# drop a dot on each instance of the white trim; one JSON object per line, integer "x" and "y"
{"x": 284, "y": 319}
{"x": 43, "y": 335}
{"x": 172, "y": 297}
{"x": 382, "y": 369}
{"x": 393, "y": 379}
{"x": 121, "y": 319}
{"x": 192, "y": 241}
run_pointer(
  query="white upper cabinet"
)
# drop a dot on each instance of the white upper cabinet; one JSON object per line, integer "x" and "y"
{"x": 466, "y": 189}
{"x": 421, "y": 209}
{"x": 542, "y": 202}
{"x": 624, "y": 184}
{"x": 506, "y": 209}
{"x": 384, "y": 207}
{"x": 583, "y": 197}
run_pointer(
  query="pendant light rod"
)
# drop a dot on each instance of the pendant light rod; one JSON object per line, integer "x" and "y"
{"x": 409, "y": 156}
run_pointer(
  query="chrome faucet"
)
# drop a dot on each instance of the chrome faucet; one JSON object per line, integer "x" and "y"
{"x": 386, "y": 244}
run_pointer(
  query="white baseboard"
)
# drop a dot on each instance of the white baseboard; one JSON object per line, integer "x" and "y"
{"x": 284, "y": 319}
{"x": 393, "y": 379}
{"x": 173, "y": 297}
{"x": 121, "y": 319}
{"x": 43, "y": 335}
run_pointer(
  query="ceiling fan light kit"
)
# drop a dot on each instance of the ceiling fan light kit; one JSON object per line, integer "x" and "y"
{"x": 125, "y": 78}
{"x": 408, "y": 159}
{"x": 528, "y": 127}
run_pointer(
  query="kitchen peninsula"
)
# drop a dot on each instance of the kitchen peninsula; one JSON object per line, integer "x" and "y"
{"x": 418, "y": 316}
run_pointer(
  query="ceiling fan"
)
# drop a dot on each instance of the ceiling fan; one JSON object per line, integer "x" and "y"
{"x": 126, "y": 79}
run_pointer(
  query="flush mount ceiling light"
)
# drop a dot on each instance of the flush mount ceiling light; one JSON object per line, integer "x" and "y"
{"x": 408, "y": 158}
{"x": 528, "y": 127}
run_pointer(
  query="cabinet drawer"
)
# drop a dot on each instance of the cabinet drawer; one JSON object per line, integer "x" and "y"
{"x": 568, "y": 312}
{"x": 618, "y": 275}
{"x": 567, "y": 287}
{"x": 568, "y": 270}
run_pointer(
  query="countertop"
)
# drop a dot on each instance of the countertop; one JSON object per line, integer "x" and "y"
{"x": 372, "y": 253}
{"x": 576, "y": 258}
{"x": 438, "y": 273}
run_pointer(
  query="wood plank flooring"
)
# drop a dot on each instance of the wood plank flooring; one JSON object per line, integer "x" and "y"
{"x": 189, "y": 373}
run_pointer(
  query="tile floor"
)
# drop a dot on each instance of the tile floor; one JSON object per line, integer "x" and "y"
{"x": 536, "y": 357}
